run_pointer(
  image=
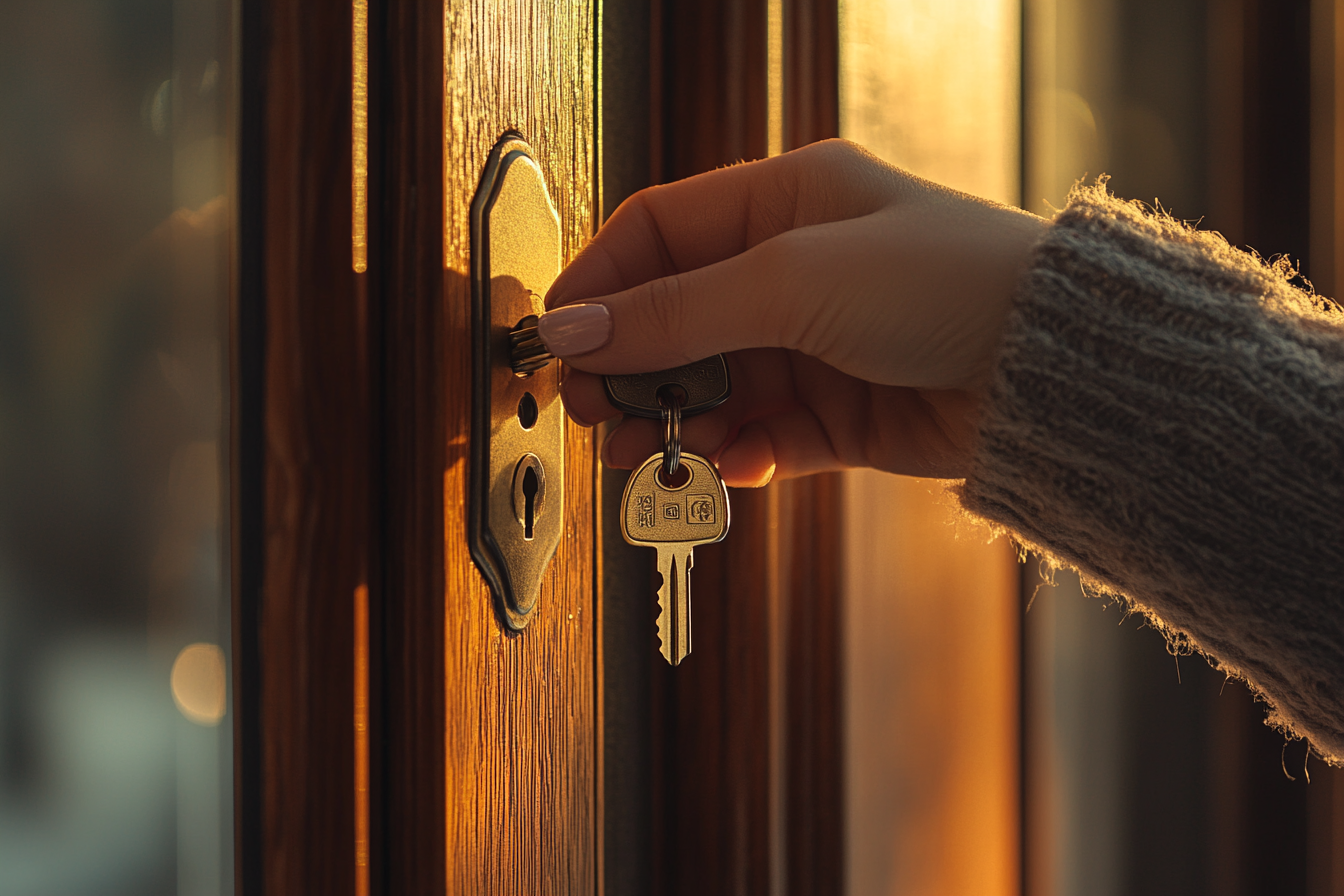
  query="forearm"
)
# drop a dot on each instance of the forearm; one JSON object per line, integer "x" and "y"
{"x": 1167, "y": 416}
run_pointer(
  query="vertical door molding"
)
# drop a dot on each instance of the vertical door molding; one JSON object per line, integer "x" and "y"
{"x": 409, "y": 196}
{"x": 303, "y": 448}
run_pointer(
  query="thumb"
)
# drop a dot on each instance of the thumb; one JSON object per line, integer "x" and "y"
{"x": 741, "y": 302}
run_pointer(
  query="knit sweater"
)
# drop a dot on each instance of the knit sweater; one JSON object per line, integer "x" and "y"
{"x": 1167, "y": 417}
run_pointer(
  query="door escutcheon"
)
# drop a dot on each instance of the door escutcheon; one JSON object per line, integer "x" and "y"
{"x": 517, "y": 499}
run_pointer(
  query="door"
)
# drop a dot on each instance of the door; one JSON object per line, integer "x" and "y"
{"x": 396, "y": 737}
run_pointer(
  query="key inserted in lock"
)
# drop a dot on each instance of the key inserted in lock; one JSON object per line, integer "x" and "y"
{"x": 517, "y": 501}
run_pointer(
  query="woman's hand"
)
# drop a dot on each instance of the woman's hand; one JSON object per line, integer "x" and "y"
{"x": 860, "y": 309}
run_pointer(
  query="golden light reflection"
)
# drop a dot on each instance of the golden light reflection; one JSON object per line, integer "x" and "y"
{"x": 931, "y": 633}
{"x": 198, "y": 683}
{"x": 362, "y": 740}
{"x": 774, "y": 49}
{"x": 359, "y": 136}
{"x": 935, "y": 86}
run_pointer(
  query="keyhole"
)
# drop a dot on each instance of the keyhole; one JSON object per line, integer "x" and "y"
{"x": 530, "y": 486}
{"x": 529, "y": 493}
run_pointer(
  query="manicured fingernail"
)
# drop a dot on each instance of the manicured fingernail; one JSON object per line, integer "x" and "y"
{"x": 575, "y": 329}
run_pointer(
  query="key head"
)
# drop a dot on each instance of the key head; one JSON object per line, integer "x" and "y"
{"x": 705, "y": 383}
{"x": 692, "y": 513}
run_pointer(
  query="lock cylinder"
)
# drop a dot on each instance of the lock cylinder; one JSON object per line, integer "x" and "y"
{"x": 527, "y": 354}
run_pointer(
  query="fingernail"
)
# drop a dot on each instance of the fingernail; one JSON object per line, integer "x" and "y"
{"x": 575, "y": 329}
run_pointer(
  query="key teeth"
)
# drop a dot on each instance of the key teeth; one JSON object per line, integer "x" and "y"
{"x": 673, "y": 631}
{"x": 666, "y": 643}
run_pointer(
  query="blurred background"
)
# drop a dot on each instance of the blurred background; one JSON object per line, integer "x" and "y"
{"x": 115, "y": 743}
{"x": 1118, "y": 768}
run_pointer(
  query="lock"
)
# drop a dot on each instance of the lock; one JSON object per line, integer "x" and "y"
{"x": 517, "y": 485}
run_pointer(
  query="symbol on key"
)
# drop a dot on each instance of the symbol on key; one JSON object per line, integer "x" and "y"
{"x": 674, "y": 518}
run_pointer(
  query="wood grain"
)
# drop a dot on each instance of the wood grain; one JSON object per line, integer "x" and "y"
{"x": 519, "y": 717}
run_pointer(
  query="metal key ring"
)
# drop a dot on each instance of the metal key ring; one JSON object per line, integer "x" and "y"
{"x": 671, "y": 434}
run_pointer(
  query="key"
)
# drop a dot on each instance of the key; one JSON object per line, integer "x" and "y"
{"x": 705, "y": 384}
{"x": 674, "y": 519}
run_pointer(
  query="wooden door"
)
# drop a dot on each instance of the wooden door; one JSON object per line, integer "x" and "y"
{"x": 394, "y": 736}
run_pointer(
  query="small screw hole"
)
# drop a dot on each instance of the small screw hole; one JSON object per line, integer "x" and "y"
{"x": 527, "y": 411}
{"x": 683, "y": 476}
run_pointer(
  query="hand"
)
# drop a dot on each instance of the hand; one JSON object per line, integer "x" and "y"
{"x": 860, "y": 308}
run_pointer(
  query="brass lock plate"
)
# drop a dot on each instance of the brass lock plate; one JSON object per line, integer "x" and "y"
{"x": 517, "y": 500}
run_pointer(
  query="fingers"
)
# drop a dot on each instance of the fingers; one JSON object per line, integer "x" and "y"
{"x": 782, "y": 445}
{"x": 705, "y": 219}
{"x": 766, "y": 428}
{"x": 763, "y": 380}
{"x": 636, "y": 439}
{"x": 703, "y": 265}
{"x": 749, "y": 462}
{"x": 585, "y": 398}
{"x": 782, "y": 293}
{"x": 910, "y": 435}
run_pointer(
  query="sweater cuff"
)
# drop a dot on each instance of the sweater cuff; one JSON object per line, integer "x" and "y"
{"x": 1167, "y": 417}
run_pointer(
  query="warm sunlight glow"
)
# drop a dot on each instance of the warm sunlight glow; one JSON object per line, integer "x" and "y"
{"x": 198, "y": 683}
{"x": 774, "y": 49}
{"x": 362, "y": 741}
{"x": 359, "y": 136}
{"x": 931, "y": 609}
{"x": 934, "y": 86}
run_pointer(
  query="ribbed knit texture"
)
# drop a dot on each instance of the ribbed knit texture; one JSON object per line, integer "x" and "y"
{"x": 1167, "y": 417}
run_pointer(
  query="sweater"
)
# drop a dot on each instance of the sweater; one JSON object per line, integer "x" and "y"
{"x": 1167, "y": 417}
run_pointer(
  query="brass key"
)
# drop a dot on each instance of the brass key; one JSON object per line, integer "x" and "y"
{"x": 674, "y": 518}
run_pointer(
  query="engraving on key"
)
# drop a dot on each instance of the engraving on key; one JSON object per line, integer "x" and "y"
{"x": 674, "y": 520}
{"x": 700, "y": 509}
{"x": 705, "y": 383}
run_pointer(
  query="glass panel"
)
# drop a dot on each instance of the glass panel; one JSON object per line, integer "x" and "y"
{"x": 931, "y": 718}
{"x": 115, "y": 740}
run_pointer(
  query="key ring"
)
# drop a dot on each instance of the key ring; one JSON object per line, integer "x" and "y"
{"x": 671, "y": 433}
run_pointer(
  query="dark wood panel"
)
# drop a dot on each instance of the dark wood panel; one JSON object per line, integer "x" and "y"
{"x": 315, "y": 438}
{"x": 247, "y": 493}
{"x": 407, "y": 262}
{"x": 713, "y": 84}
{"x": 713, "y": 804}
{"x": 811, "y": 71}
{"x": 814, "y": 759}
{"x": 626, "y": 773}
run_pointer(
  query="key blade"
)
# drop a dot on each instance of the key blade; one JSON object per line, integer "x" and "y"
{"x": 674, "y": 602}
